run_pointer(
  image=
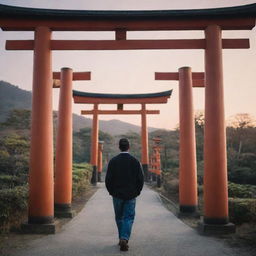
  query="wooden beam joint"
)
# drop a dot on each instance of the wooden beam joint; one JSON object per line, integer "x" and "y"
{"x": 121, "y": 34}
{"x": 77, "y": 76}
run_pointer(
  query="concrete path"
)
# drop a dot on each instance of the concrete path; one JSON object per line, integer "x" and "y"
{"x": 156, "y": 232}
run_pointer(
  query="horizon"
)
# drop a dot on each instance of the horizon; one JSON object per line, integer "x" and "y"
{"x": 228, "y": 119}
{"x": 109, "y": 69}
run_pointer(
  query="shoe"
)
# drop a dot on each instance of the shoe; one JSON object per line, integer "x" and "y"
{"x": 125, "y": 240}
{"x": 123, "y": 245}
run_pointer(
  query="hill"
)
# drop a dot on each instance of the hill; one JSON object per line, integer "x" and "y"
{"x": 12, "y": 97}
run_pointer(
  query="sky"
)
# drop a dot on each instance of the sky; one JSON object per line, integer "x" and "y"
{"x": 133, "y": 71}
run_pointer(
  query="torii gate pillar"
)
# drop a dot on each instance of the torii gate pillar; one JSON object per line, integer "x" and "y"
{"x": 187, "y": 152}
{"x": 94, "y": 145}
{"x": 63, "y": 163}
{"x": 40, "y": 206}
{"x": 100, "y": 149}
{"x": 215, "y": 155}
{"x": 144, "y": 143}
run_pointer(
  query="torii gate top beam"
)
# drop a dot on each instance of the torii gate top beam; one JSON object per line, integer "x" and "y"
{"x": 102, "y": 98}
{"x": 26, "y": 19}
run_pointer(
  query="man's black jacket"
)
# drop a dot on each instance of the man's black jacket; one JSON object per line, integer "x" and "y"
{"x": 124, "y": 178}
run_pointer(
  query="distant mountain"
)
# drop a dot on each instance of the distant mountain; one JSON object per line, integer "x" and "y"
{"x": 116, "y": 127}
{"x": 12, "y": 97}
{"x": 112, "y": 127}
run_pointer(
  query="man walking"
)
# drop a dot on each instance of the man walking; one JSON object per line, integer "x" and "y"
{"x": 124, "y": 182}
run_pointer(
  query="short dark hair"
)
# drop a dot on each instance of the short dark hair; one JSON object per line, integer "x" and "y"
{"x": 124, "y": 144}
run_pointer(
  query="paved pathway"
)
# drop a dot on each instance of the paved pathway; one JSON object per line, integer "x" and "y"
{"x": 157, "y": 232}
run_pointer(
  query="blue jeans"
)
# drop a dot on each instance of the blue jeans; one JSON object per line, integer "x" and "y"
{"x": 124, "y": 215}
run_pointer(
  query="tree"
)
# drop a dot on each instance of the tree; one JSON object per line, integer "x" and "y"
{"x": 82, "y": 145}
{"x": 18, "y": 119}
{"x": 199, "y": 128}
{"x": 240, "y": 125}
{"x": 14, "y": 154}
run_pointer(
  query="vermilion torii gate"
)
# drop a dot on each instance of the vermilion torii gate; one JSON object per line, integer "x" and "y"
{"x": 155, "y": 161}
{"x": 120, "y": 100}
{"x": 188, "y": 199}
{"x": 44, "y": 21}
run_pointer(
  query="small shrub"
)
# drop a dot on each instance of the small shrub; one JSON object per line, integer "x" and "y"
{"x": 241, "y": 190}
{"x": 242, "y": 210}
{"x": 170, "y": 183}
{"x": 13, "y": 203}
{"x": 81, "y": 178}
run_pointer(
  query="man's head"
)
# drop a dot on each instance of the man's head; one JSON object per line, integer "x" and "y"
{"x": 124, "y": 144}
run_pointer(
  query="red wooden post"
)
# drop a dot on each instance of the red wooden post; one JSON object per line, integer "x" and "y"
{"x": 215, "y": 160}
{"x": 40, "y": 207}
{"x": 100, "y": 149}
{"x": 187, "y": 152}
{"x": 144, "y": 141}
{"x": 63, "y": 162}
{"x": 94, "y": 144}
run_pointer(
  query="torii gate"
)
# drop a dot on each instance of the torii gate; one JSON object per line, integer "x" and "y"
{"x": 44, "y": 21}
{"x": 155, "y": 160}
{"x": 120, "y": 100}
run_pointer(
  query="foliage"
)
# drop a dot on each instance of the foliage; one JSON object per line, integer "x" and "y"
{"x": 13, "y": 197}
{"x": 10, "y": 181}
{"x": 199, "y": 129}
{"x": 14, "y": 155}
{"x": 170, "y": 183}
{"x": 13, "y": 204}
{"x": 18, "y": 119}
{"x": 81, "y": 178}
{"x": 241, "y": 191}
{"x": 82, "y": 144}
{"x": 242, "y": 210}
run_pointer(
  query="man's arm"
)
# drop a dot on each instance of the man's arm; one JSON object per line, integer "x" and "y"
{"x": 109, "y": 177}
{"x": 140, "y": 178}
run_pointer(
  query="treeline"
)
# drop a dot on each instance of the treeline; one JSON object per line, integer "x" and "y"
{"x": 241, "y": 146}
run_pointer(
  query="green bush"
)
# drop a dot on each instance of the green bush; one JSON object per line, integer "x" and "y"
{"x": 170, "y": 183}
{"x": 81, "y": 166}
{"x": 9, "y": 181}
{"x": 13, "y": 204}
{"x": 241, "y": 190}
{"x": 81, "y": 178}
{"x": 242, "y": 210}
{"x": 13, "y": 201}
{"x": 242, "y": 175}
